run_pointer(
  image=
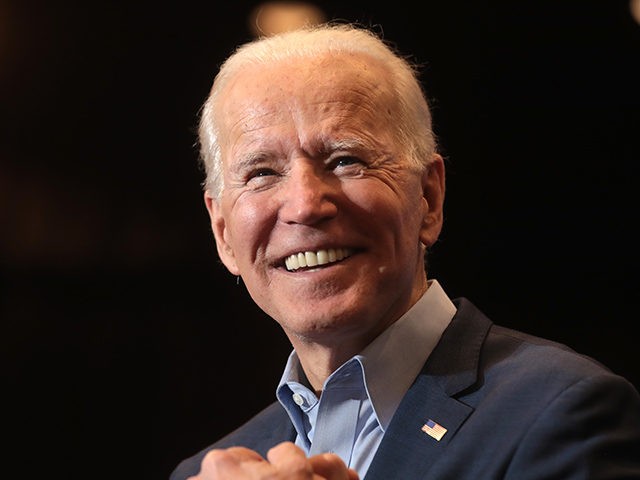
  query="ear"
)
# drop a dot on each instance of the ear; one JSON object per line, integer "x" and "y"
{"x": 221, "y": 234}
{"x": 433, "y": 186}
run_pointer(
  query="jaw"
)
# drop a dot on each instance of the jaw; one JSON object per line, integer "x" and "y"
{"x": 301, "y": 285}
{"x": 325, "y": 298}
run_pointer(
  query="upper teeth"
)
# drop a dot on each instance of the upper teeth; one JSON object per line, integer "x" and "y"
{"x": 313, "y": 259}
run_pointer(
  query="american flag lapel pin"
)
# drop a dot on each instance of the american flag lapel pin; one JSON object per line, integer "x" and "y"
{"x": 434, "y": 430}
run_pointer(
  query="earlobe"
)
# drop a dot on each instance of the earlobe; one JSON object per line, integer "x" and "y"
{"x": 433, "y": 188}
{"x": 220, "y": 233}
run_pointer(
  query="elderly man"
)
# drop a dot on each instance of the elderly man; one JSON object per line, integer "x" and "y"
{"x": 325, "y": 191}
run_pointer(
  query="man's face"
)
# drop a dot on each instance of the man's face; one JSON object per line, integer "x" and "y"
{"x": 312, "y": 170}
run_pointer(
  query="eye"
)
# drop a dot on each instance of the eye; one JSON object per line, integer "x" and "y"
{"x": 261, "y": 177}
{"x": 260, "y": 172}
{"x": 346, "y": 161}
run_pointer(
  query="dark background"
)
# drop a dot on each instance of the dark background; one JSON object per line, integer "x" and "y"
{"x": 126, "y": 347}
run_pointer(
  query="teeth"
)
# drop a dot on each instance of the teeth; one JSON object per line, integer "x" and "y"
{"x": 313, "y": 259}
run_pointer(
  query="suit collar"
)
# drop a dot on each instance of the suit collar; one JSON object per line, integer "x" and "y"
{"x": 452, "y": 368}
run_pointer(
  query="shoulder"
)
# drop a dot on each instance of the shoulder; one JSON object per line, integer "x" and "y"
{"x": 539, "y": 359}
{"x": 521, "y": 353}
{"x": 529, "y": 370}
{"x": 486, "y": 360}
{"x": 539, "y": 405}
{"x": 550, "y": 394}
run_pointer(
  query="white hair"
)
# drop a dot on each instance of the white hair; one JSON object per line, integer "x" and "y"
{"x": 413, "y": 126}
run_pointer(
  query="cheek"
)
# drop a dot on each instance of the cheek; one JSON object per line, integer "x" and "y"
{"x": 388, "y": 206}
{"x": 249, "y": 228}
{"x": 399, "y": 219}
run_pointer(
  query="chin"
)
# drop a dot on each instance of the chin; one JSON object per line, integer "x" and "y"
{"x": 325, "y": 322}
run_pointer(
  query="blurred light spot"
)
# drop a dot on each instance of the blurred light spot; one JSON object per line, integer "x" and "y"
{"x": 279, "y": 16}
{"x": 634, "y": 5}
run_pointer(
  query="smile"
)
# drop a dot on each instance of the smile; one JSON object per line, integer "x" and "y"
{"x": 315, "y": 259}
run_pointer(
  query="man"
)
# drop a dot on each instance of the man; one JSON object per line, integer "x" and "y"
{"x": 325, "y": 190}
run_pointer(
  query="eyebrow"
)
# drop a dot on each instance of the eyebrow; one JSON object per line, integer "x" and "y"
{"x": 345, "y": 144}
{"x": 248, "y": 160}
{"x": 251, "y": 159}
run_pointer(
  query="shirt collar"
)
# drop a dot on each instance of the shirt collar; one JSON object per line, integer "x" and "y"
{"x": 393, "y": 360}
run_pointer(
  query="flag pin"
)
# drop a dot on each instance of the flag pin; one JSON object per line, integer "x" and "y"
{"x": 434, "y": 430}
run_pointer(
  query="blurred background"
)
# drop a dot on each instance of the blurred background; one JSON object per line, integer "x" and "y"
{"x": 117, "y": 321}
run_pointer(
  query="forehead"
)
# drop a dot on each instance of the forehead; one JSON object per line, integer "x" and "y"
{"x": 346, "y": 85}
{"x": 323, "y": 70}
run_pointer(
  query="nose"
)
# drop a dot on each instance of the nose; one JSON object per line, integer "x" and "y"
{"x": 308, "y": 196}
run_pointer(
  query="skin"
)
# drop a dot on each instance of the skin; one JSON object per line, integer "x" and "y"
{"x": 310, "y": 162}
{"x": 283, "y": 462}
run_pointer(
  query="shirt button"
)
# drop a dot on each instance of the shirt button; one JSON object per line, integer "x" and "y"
{"x": 298, "y": 399}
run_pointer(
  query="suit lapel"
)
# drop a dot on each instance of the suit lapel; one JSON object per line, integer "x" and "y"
{"x": 452, "y": 367}
{"x": 273, "y": 428}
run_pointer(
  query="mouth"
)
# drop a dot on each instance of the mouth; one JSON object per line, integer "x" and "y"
{"x": 313, "y": 259}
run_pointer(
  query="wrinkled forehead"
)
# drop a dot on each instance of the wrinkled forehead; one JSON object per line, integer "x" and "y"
{"x": 342, "y": 78}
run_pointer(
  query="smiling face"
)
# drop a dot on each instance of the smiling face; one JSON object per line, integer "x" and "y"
{"x": 320, "y": 213}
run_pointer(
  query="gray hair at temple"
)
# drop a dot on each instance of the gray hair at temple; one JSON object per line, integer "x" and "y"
{"x": 412, "y": 127}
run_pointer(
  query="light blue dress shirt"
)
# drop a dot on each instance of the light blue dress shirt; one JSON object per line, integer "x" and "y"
{"x": 359, "y": 399}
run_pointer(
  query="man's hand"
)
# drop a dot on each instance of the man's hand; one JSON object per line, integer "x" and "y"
{"x": 284, "y": 462}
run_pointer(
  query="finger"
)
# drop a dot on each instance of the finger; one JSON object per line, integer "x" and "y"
{"x": 353, "y": 475}
{"x": 222, "y": 463}
{"x": 288, "y": 457}
{"x": 244, "y": 454}
{"x": 285, "y": 451}
{"x": 331, "y": 467}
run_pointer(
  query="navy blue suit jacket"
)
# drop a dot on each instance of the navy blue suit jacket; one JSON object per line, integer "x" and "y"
{"x": 514, "y": 406}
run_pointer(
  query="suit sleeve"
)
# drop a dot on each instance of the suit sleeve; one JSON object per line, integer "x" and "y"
{"x": 591, "y": 430}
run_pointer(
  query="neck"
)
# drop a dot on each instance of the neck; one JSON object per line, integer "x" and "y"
{"x": 320, "y": 361}
{"x": 321, "y": 354}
